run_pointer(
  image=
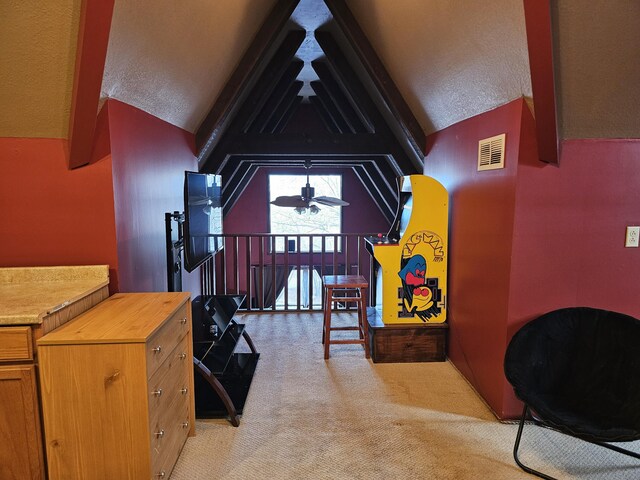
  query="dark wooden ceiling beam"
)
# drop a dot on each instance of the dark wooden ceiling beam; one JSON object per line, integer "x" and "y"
{"x": 383, "y": 202}
{"x": 331, "y": 108}
{"x": 284, "y": 114}
{"x": 341, "y": 69}
{"x": 282, "y": 70}
{"x": 285, "y": 91}
{"x": 232, "y": 173}
{"x": 537, "y": 16}
{"x": 239, "y": 172}
{"x": 243, "y": 77}
{"x": 383, "y": 82}
{"x": 306, "y": 144}
{"x": 243, "y": 175}
{"x": 344, "y": 73}
{"x": 403, "y": 163}
{"x": 349, "y": 108}
{"x": 342, "y": 106}
{"x": 324, "y": 115}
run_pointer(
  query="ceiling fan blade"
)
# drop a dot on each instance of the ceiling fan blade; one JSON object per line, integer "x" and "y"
{"x": 289, "y": 201}
{"x": 330, "y": 201}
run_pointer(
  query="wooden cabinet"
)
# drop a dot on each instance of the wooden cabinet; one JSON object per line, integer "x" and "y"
{"x": 34, "y": 301}
{"x": 117, "y": 388}
{"x": 21, "y": 451}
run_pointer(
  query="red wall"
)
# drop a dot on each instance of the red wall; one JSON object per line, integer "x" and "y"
{"x": 52, "y": 215}
{"x": 531, "y": 238}
{"x": 569, "y": 234}
{"x": 480, "y": 242}
{"x": 149, "y": 159}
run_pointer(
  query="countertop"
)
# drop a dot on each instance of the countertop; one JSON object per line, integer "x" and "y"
{"x": 27, "y": 294}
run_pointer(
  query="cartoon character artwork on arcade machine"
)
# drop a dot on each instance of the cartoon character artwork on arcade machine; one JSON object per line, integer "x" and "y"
{"x": 410, "y": 262}
{"x": 420, "y": 295}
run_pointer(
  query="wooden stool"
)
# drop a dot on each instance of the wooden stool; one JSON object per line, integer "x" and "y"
{"x": 346, "y": 284}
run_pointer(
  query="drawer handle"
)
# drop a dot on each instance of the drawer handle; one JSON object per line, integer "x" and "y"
{"x": 183, "y": 320}
{"x": 159, "y": 434}
{"x": 185, "y": 425}
{"x": 157, "y": 349}
{"x": 184, "y": 390}
{"x": 182, "y": 356}
{"x": 161, "y": 474}
{"x": 157, "y": 393}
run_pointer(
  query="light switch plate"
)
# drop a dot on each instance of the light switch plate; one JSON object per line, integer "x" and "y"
{"x": 633, "y": 237}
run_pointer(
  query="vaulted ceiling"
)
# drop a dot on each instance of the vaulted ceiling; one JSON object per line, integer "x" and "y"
{"x": 448, "y": 60}
{"x": 342, "y": 110}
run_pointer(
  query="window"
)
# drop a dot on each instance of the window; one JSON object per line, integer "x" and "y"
{"x": 286, "y": 221}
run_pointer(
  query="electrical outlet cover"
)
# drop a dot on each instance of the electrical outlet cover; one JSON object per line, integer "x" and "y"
{"x": 633, "y": 237}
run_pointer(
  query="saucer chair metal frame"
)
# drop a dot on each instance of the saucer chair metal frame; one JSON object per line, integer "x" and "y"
{"x": 577, "y": 370}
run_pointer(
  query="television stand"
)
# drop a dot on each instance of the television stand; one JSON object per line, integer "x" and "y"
{"x": 222, "y": 376}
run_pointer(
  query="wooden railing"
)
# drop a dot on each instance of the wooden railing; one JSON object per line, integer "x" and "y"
{"x": 275, "y": 278}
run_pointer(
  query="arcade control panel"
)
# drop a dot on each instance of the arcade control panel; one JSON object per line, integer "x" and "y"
{"x": 381, "y": 239}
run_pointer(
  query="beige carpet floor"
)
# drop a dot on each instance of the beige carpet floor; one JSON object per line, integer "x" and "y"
{"x": 348, "y": 418}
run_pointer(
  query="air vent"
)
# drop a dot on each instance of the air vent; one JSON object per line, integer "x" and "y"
{"x": 491, "y": 153}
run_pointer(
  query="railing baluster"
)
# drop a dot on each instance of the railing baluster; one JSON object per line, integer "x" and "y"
{"x": 273, "y": 272}
{"x": 248, "y": 271}
{"x": 323, "y": 255}
{"x": 298, "y": 267}
{"x": 359, "y": 244}
{"x": 310, "y": 274}
{"x": 286, "y": 272}
{"x": 347, "y": 265}
{"x": 235, "y": 264}
{"x": 335, "y": 259}
{"x": 223, "y": 265}
{"x": 214, "y": 272}
{"x": 260, "y": 292}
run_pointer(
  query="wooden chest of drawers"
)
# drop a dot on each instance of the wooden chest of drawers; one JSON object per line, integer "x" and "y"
{"x": 117, "y": 388}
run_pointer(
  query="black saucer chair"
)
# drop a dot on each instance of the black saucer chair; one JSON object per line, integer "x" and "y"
{"x": 577, "y": 370}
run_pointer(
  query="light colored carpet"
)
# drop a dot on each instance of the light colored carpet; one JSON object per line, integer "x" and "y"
{"x": 348, "y": 418}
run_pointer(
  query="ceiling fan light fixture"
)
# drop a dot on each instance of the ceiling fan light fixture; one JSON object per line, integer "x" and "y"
{"x": 311, "y": 210}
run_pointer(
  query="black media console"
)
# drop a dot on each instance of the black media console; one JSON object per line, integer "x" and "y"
{"x": 222, "y": 376}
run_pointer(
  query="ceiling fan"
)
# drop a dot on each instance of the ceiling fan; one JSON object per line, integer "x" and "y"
{"x": 306, "y": 200}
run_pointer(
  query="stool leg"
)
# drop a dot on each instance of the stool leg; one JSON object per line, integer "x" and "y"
{"x": 365, "y": 322}
{"x": 327, "y": 323}
{"x": 359, "y": 308}
{"x": 324, "y": 311}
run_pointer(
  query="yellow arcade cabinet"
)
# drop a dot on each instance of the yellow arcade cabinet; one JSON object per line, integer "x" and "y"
{"x": 408, "y": 322}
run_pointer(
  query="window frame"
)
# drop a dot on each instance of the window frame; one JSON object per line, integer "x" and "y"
{"x": 303, "y": 177}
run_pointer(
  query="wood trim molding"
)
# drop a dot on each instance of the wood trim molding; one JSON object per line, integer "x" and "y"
{"x": 91, "y": 55}
{"x": 537, "y": 15}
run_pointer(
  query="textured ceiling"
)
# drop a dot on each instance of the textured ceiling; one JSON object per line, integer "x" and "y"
{"x": 597, "y": 54}
{"x": 171, "y": 58}
{"x": 450, "y": 60}
{"x": 37, "y": 60}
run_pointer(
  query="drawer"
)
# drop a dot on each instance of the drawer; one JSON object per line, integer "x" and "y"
{"x": 170, "y": 379}
{"x": 15, "y": 344}
{"x": 162, "y": 343}
{"x": 168, "y": 435}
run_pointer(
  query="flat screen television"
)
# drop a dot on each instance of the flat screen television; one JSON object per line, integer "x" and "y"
{"x": 202, "y": 228}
